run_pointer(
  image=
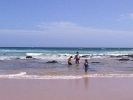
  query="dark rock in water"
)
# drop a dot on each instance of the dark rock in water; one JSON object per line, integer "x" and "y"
{"x": 85, "y": 56}
{"x": 17, "y": 58}
{"x": 53, "y": 61}
{"x": 95, "y": 62}
{"x": 29, "y": 57}
{"x": 120, "y": 56}
{"x": 129, "y": 56}
{"x": 124, "y": 59}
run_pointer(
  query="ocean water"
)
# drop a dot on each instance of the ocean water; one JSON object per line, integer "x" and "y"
{"x": 103, "y": 62}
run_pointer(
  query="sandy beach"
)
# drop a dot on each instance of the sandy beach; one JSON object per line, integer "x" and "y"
{"x": 61, "y": 89}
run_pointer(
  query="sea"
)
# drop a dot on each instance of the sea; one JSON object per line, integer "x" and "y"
{"x": 36, "y": 62}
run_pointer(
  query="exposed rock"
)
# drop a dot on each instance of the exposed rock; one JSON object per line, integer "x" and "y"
{"x": 124, "y": 59}
{"x": 17, "y": 58}
{"x": 29, "y": 57}
{"x": 95, "y": 62}
{"x": 53, "y": 61}
{"x": 120, "y": 56}
{"x": 85, "y": 56}
{"x": 129, "y": 56}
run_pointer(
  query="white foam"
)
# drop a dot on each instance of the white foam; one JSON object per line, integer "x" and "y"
{"x": 23, "y": 75}
{"x": 34, "y": 54}
{"x": 8, "y": 57}
{"x": 13, "y": 75}
{"x": 62, "y": 56}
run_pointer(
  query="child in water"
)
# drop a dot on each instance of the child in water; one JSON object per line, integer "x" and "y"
{"x": 70, "y": 60}
{"x": 86, "y": 65}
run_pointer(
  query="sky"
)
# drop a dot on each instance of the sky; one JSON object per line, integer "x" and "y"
{"x": 66, "y": 23}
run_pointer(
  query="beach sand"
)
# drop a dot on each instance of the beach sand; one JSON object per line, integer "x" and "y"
{"x": 61, "y": 89}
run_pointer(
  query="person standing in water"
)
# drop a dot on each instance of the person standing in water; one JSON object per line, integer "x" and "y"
{"x": 70, "y": 60}
{"x": 77, "y": 58}
{"x": 86, "y": 65}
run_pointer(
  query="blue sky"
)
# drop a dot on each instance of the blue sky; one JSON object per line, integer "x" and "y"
{"x": 66, "y": 23}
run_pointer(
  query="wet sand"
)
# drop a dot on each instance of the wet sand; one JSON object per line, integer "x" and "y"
{"x": 60, "y": 89}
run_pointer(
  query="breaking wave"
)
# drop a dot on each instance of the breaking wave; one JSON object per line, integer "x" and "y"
{"x": 58, "y": 56}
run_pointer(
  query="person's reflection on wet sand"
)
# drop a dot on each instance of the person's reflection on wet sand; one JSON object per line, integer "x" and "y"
{"x": 86, "y": 81}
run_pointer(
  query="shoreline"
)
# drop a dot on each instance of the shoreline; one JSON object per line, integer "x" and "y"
{"x": 75, "y": 89}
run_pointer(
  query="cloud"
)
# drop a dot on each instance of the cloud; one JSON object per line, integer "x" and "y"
{"x": 131, "y": 15}
{"x": 17, "y": 31}
{"x": 57, "y": 25}
{"x": 66, "y": 34}
{"x": 63, "y": 27}
{"x": 128, "y": 16}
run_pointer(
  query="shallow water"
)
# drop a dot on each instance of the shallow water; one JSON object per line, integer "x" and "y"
{"x": 102, "y": 62}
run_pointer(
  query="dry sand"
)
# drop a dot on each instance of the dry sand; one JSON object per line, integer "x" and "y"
{"x": 60, "y": 89}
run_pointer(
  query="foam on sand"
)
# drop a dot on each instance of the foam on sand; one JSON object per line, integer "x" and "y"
{"x": 24, "y": 75}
